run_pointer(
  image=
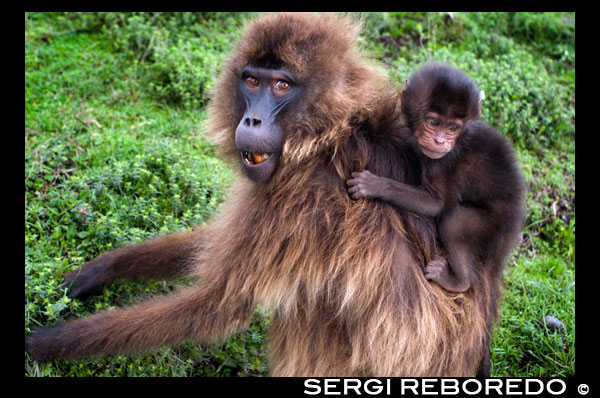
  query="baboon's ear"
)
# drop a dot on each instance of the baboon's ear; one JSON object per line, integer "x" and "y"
{"x": 481, "y": 98}
{"x": 404, "y": 89}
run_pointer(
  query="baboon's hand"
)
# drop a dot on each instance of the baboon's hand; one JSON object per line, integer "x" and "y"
{"x": 84, "y": 281}
{"x": 364, "y": 184}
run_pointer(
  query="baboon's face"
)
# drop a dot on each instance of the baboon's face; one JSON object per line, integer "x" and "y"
{"x": 437, "y": 134}
{"x": 267, "y": 95}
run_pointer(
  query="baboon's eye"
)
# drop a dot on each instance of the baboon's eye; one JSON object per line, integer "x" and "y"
{"x": 252, "y": 81}
{"x": 282, "y": 85}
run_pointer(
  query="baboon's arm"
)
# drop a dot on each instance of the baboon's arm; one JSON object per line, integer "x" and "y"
{"x": 163, "y": 257}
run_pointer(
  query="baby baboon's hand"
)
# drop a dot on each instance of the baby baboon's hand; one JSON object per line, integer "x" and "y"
{"x": 364, "y": 184}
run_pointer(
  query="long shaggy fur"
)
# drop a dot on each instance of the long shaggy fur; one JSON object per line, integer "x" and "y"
{"x": 344, "y": 279}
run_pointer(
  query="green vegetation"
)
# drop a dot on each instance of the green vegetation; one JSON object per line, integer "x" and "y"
{"x": 114, "y": 154}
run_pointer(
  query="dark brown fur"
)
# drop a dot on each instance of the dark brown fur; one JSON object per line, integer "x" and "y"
{"x": 471, "y": 184}
{"x": 344, "y": 279}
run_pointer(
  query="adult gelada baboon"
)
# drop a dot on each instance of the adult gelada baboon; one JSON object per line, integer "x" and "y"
{"x": 299, "y": 108}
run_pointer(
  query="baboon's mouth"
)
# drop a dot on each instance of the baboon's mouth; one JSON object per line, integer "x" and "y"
{"x": 254, "y": 158}
{"x": 258, "y": 166}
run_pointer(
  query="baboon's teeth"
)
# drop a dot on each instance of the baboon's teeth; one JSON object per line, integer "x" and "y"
{"x": 255, "y": 158}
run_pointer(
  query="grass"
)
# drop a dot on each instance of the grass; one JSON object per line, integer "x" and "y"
{"x": 114, "y": 154}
